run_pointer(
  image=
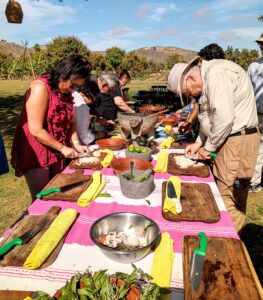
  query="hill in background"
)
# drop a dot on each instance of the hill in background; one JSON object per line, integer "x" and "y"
{"x": 156, "y": 54}
{"x": 10, "y": 48}
{"x": 160, "y": 54}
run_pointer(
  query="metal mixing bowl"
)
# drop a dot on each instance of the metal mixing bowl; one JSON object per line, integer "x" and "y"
{"x": 138, "y": 224}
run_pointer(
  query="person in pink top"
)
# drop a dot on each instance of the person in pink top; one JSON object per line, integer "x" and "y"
{"x": 46, "y": 134}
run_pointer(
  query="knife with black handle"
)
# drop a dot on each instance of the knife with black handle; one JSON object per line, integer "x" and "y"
{"x": 171, "y": 193}
{"x": 197, "y": 264}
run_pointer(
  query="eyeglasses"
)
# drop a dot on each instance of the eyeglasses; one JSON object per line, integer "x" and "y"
{"x": 74, "y": 86}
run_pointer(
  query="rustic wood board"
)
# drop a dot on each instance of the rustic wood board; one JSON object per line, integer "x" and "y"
{"x": 228, "y": 271}
{"x": 64, "y": 179}
{"x": 16, "y": 295}
{"x": 18, "y": 255}
{"x": 97, "y": 166}
{"x": 174, "y": 169}
{"x": 198, "y": 204}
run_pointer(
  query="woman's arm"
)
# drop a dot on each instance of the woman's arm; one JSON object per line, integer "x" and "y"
{"x": 122, "y": 105}
{"x": 37, "y": 99}
{"x": 75, "y": 139}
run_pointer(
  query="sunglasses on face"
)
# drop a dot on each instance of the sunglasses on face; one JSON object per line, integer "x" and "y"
{"x": 73, "y": 85}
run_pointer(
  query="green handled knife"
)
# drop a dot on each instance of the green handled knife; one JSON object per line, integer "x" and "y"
{"x": 61, "y": 189}
{"x": 23, "y": 239}
{"x": 196, "y": 157}
{"x": 197, "y": 264}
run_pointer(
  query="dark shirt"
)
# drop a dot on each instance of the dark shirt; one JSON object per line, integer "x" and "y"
{"x": 117, "y": 93}
{"x": 106, "y": 107}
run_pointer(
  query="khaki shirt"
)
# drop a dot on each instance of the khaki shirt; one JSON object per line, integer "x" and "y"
{"x": 231, "y": 100}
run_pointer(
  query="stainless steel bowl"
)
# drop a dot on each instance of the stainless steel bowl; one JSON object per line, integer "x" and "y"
{"x": 138, "y": 224}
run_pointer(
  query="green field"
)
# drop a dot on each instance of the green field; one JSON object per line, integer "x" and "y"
{"x": 15, "y": 198}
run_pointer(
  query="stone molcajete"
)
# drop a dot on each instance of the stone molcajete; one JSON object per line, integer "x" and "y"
{"x": 136, "y": 124}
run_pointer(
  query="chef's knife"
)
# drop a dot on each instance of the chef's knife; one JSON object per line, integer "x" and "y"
{"x": 61, "y": 189}
{"x": 196, "y": 157}
{"x": 197, "y": 264}
{"x": 172, "y": 194}
{"x": 23, "y": 239}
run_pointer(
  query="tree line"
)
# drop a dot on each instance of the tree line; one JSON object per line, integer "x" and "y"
{"x": 115, "y": 59}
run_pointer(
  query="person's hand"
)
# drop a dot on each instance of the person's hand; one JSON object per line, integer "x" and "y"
{"x": 184, "y": 127}
{"x": 192, "y": 148}
{"x": 68, "y": 152}
{"x": 203, "y": 153}
{"x": 104, "y": 122}
{"x": 81, "y": 148}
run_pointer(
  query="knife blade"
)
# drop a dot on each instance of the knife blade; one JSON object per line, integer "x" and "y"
{"x": 172, "y": 194}
{"x": 197, "y": 263}
{"x": 23, "y": 239}
{"x": 196, "y": 157}
{"x": 61, "y": 189}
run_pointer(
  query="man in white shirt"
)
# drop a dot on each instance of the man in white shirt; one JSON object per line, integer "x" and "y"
{"x": 233, "y": 118}
{"x": 255, "y": 72}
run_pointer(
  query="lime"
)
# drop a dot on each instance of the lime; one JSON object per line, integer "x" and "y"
{"x": 144, "y": 150}
{"x": 137, "y": 149}
{"x": 131, "y": 148}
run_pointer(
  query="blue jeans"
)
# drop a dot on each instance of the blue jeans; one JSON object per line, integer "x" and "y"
{"x": 3, "y": 159}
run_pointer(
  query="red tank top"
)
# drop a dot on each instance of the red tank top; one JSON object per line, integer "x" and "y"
{"x": 27, "y": 152}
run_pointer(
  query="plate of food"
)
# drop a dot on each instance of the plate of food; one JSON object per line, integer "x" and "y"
{"x": 88, "y": 160}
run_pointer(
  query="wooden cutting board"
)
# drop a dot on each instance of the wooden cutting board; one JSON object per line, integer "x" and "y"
{"x": 228, "y": 271}
{"x": 174, "y": 169}
{"x": 198, "y": 204}
{"x": 64, "y": 179}
{"x": 18, "y": 255}
{"x": 16, "y": 295}
{"x": 74, "y": 164}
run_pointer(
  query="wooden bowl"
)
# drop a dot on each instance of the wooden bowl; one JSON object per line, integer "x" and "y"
{"x": 151, "y": 109}
{"x": 161, "y": 117}
{"x": 169, "y": 121}
{"x": 112, "y": 144}
{"x": 120, "y": 165}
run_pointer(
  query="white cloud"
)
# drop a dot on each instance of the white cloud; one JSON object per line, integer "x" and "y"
{"x": 121, "y": 36}
{"x": 155, "y": 12}
{"x": 203, "y": 13}
{"x": 143, "y": 10}
{"x": 158, "y": 14}
{"x": 165, "y": 32}
{"x": 122, "y": 31}
{"x": 98, "y": 44}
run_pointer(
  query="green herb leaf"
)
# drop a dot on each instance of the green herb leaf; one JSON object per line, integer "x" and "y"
{"x": 104, "y": 195}
{"x": 148, "y": 201}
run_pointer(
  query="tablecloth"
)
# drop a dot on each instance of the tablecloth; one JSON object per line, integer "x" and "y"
{"x": 79, "y": 253}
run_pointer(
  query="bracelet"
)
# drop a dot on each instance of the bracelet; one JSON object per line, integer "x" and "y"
{"x": 75, "y": 142}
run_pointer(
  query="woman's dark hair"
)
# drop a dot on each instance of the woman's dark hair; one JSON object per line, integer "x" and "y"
{"x": 90, "y": 89}
{"x": 212, "y": 51}
{"x": 71, "y": 67}
{"x": 125, "y": 73}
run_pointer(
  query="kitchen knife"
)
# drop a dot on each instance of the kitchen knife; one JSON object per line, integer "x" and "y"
{"x": 23, "y": 239}
{"x": 61, "y": 189}
{"x": 172, "y": 194}
{"x": 197, "y": 263}
{"x": 195, "y": 156}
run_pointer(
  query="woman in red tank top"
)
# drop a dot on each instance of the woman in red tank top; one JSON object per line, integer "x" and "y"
{"x": 45, "y": 129}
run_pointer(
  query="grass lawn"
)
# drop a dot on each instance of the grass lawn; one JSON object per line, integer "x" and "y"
{"x": 15, "y": 198}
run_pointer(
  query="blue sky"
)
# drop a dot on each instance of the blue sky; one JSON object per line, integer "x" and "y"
{"x": 132, "y": 24}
